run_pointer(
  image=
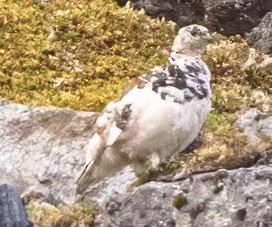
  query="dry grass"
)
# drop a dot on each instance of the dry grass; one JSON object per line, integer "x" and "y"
{"x": 46, "y": 215}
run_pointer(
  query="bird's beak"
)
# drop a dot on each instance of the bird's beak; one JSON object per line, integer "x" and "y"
{"x": 212, "y": 36}
{"x": 209, "y": 37}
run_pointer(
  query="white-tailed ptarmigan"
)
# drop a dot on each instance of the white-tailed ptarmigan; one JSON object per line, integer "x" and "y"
{"x": 159, "y": 116}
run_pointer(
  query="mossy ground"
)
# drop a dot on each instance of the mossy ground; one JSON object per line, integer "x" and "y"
{"x": 45, "y": 215}
{"x": 75, "y": 54}
{"x": 82, "y": 54}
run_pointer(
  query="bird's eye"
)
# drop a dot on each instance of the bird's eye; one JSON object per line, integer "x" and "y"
{"x": 204, "y": 34}
{"x": 194, "y": 33}
{"x": 173, "y": 59}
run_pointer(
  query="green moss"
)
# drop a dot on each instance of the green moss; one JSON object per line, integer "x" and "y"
{"x": 179, "y": 201}
{"x": 146, "y": 177}
{"x": 220, "y": 124}
{"x": 47, "y": 215}
{"x": 228, "y": 60}
{"x": 92, "y": 47}
{"x": 260, "y": 78}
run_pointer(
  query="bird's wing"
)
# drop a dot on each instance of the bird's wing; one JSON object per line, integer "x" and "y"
{"x": 109, "y": 126}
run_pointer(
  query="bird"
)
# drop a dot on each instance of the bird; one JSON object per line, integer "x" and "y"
{"x": 159, "y": 116}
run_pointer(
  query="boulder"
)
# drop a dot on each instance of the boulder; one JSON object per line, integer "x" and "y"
{"x": 182, "y": 12}
{"x": 12, "y": 211}
{"x": 232, "y": 17}
{"x": 257, "y": 126}
{"x": 42, "y": 149}
{"x": 261, "y": 36}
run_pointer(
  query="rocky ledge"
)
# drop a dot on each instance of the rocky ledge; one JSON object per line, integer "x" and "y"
{"x": 241, "y": 197}
{"x": 41, "y": 153}
{"x": 42, "y": 149}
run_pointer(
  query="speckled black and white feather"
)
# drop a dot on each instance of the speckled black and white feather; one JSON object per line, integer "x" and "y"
{"x": 183, "y": 80}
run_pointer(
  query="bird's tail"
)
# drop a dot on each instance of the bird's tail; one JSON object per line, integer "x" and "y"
{"x": 93, "y": 157}
{"x": 85, "y": 178}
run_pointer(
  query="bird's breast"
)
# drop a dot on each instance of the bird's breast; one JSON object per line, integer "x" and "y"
{"x": 161, "y": 125}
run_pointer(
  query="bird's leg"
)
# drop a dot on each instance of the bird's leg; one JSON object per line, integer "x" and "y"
{"x": 155, "y": 160}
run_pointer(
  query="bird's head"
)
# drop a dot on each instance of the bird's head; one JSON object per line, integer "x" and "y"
{"x": 191, "y": 40}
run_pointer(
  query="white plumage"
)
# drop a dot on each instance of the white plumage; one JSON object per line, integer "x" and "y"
{"x": 161, "y": 115}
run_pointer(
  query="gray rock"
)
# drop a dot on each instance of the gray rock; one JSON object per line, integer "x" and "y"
{"x": 121, "y": 2}
{"x": 102, "y": 191}
{"x": 241, "y": 197}
{"x": 42, "y": 149}
{"x": 228, "y": 17}
{"x": 182, "y": 12}
{"x": 261, "y": 36}
{"x": 256, "y": 125}
{"x": 12, "y": 211}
